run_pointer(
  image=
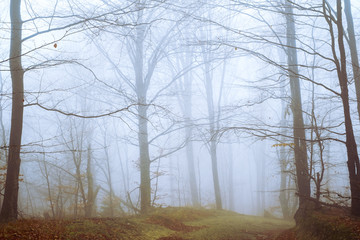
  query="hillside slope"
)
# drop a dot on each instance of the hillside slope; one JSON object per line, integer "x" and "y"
{"x": 161, "y": 224}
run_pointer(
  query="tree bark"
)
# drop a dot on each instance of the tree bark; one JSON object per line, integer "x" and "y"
{"x": 353, "y": 52}
{"x": 191, "y": 166}
{"x": 109, "y": 180}
{"x": 212, "y": 144}
{"x": 283, "y": 160}
{"x": 9, "y": 210}
{"x": 90, "y": 193}
{"x": 143, "y": 138}
{"x": 187, "y": 104}
{"x": 47, "y": 176}
{"x": 231, "y": 178}
{"x": 351, "y": 146}
{"x": 145, "y": 184}
{"x": 302, "y": 168}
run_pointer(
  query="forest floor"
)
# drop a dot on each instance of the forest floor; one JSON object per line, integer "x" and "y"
{"x": 161, "y": 224}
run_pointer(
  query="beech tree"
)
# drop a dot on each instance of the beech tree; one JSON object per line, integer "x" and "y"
{"x": 9, "y": 209}
{"x": 145, "y": 51}
{"x": 340, "y": 63}
{"x": 336, "y": 34}
{"x": 353, "y": 51}
{"x": 139, "y": 40}
{"x": 208, "y": 82}
{"x": 184, "y": 89}
{"x": 302, "y": 168}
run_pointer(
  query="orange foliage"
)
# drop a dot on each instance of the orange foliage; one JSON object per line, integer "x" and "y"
{"x": 283, "y": 145}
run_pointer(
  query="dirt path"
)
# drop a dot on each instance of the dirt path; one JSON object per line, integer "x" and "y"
{"x": 224, "y": 225}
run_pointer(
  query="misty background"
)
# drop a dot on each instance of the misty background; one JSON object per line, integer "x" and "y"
{"x": 198, "y": 88}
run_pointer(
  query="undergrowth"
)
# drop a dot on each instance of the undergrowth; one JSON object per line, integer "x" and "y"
{"x": 326, "y": 225}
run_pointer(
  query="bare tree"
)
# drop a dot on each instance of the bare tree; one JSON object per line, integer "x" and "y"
{"x": 46, "y": 174}
{"x": 9, "y": 210}
{"x": 184, "y": 89}
{"x": 340, "y": 62}
{"x": 302, "y": 168}
{"x": 91, "y": 190}
{"x": 3, "y": 149}
{"x": 145, "y": 57}
{"x": 353, "y": 51}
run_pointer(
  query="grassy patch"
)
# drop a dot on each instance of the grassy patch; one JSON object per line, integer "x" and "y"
{"x": 161, "y": 224}
{"x": 231, "y": 226}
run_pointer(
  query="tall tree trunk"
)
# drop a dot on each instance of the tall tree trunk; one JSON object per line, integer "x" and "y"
{"x": 4, "y": 151}
{"x": 191, "y": 166}
{"x": 353, "y": 51}
{"x": 212, "y": 144}
{"x": 231, "y": 178}
{"x": 90, "y": 193}
{"x": 145, "y": 185}
{"x": 109, "y": 179}
{"x": 77, "y": 158}
{"x": 302, "y": 168}
{"x": 47, "y": 177}
{"x": 187, "y": 103}
{"x": 142, "y": 84}
{"x": 284, "y": 201}
{"x": 60, "y": 213}
{"x": 351, "y": 146}
{"x": 2, "y": 130}
{"x": 260, "y": 179}
{"x": 283, "y": 161}
{"x": 9, "y": 210}
{"x": 215, "y": 174}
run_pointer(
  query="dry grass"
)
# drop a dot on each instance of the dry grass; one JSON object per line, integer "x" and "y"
{"x": 161, "y": 224}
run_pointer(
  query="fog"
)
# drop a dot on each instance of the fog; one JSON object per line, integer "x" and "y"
{"x": 130, "y": 105}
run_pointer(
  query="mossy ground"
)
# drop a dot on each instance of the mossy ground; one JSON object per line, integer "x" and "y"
{"x": 161, "y": 224}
